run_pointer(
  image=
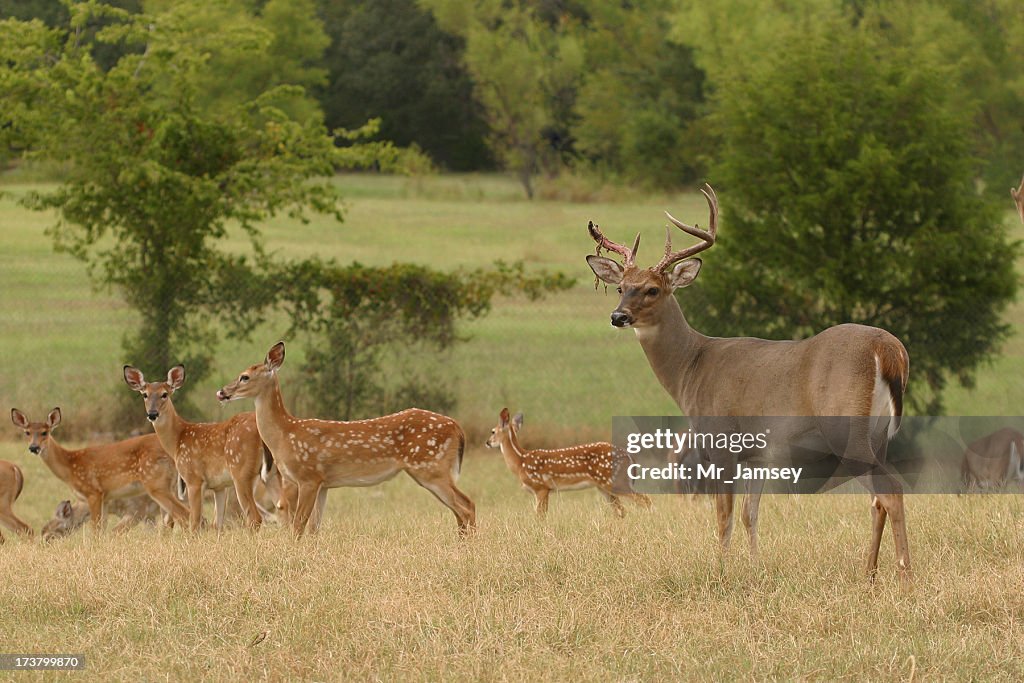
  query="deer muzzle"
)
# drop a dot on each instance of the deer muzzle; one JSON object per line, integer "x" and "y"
{"x": 621, "y": 318}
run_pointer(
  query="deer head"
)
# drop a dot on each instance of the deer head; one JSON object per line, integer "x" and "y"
{"x": 504, "y": 424}
{"x": 155, "y": 394}
{"x": 38, "y": 433}
{"x": 254, "y": 379}
{"x": 645, "y": 290}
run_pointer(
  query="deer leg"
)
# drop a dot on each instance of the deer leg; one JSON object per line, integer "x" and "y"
{"x": 195, "y": 504}
{"x": 318, "y": 510}
{"x": 541, "y": 501}
{"x": 99, "y": 520}
{"x": 893, "y": 506}
{"x": 172, "y": 507}
{"x": 441, "y": 485}
{"x": 617, "y": 506}
{"x": 751, "y": 507}
{"x": 10, "y": 521}
{"x": 877, "y": 527}
{"x": 307, "y": 496}
{"x": 723, "y": 511}
{"x": 220, "y": 507}
{"x": 246, "y": 499}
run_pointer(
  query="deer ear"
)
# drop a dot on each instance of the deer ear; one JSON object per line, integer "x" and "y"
{"x": 684, "y": 273}
{"x": 275, "y": 356}
{"x": 19, "y": 419}
{"x": 64, "y": 509}
{"x": 176, "y": 377}
{"x": 606, "y": 269}
{"x": 133, "y": 378}
{"x": 504, "y": 417}
{"x": 53, "y": 419}
{"x": 517, "y": 421}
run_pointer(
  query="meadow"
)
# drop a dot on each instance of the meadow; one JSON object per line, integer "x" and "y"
{"x": 388, "y": 590}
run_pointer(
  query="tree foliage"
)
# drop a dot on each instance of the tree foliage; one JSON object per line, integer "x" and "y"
{"x": 388, "y": 59}
{"x": 359, "y": 320}
{"x": 155, "y": 177}
{"x": 848, "y": 196}
{"x": 523, "y": 70}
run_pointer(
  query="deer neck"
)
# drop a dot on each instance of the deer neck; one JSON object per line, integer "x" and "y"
{"x": 512, "y": 452}
{"x": 672, "y": 348}
{"x": 272, "y": 419}
{"x": 58, "y": 459}
{"x": 168, "y": 428}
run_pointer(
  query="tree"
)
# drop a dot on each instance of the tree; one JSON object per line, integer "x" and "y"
{"x": 848, "y": 196}
{"x": 523, "y": 72}
{"x": 154, "y": 177}
{"x": 389, "y": 59}
{"x": 359, "y": 321}
{"x": 641, "y": 96}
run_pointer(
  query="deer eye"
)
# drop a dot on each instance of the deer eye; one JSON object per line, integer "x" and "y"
{"x": 243, "y": 378}
{"x": 163, "y": 395}
{"x": 145, "y": 394}
{"x": 43, "y": 434}
{"x": 28, "y": 433}
{"x": 619, "y": 290}
{"x": 653, "y": 291}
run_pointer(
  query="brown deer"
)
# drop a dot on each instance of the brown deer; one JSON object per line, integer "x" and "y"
{"x": 851, "y": 371}
{"x": 1018, "y": 199}
{"x": 593, "y": 465}
{"x": 209, "y": 455}
{"x": 994, "y": 460}
{"x": 12, "y": 481}
{"x": 70, "y": 517}
{"x": 99, "y": 474}
{"x": 318, "y": 455}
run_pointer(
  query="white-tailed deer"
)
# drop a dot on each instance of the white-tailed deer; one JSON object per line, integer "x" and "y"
{"x": 12, "y": 481}
{"x": 593, "y": 465}
{"x": 993, "y": 461}
{"x": 209, "y": 455}
{"x": 99, "y": 474}
{"x": 318, "y": 455}
{"x": 849, "y": 371}
{"x": 70, "y": 517}
{"x": 1018, "y": 199}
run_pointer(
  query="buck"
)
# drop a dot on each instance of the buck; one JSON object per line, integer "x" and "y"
{"x": 107, "y": 472}
{"x": 12, "y": 481}
{"x": 1018, "y": 199}
{"x": 208, "y": 455}
{"x": 70, "y": 517}
{"x": 994, "y": 460}
{"x": 318, "y": 455}
{"x": 851, "y": 371}
{"x": 593, "y": 465}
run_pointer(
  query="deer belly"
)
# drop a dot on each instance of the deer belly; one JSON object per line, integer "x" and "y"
{"x": 569, "y": 483}
{"x": 359, "y": 473}
{"x": 219, "y": 480}
{"x": 127, "y": 491}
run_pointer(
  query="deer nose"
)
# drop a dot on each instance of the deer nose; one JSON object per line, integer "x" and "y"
{"x": 221, "y": 396}
{"x": 152, "y": 415}
{"x": 620, "y": 319}
{"x": 34, "y": 448}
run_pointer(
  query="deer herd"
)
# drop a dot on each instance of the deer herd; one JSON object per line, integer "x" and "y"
{"x": 270, "y": 464}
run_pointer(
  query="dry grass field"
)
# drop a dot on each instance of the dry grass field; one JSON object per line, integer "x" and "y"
{"x": 388, "y": 591}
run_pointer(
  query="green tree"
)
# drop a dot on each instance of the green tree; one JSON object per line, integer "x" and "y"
{"x": 524, "y": 70}
{"x": 641, "y": 95}
{"x": 389, "y": 59}
{"x": 359, "y": 321}
{"x": 154, "y": 177}
{"x": 848, "y": 195}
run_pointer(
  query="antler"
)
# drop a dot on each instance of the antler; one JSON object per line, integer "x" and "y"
{"x": 707, "y": 236}
{"x": 603, "y": 242}
{"x": 1018, "y": 198}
